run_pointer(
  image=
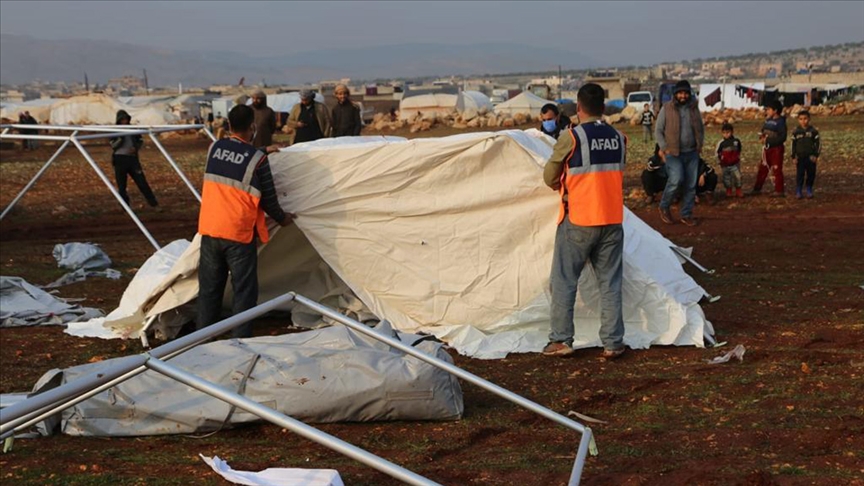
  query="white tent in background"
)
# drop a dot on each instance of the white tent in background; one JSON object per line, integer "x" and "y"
{"x": 731, "y": 94}
{"x": 430, "y": 105}
{"x": 284, "y": 102}
{"x": 472, "y": 104}
{"x": 525, "y": 102}
{"x": 449, "y": 236}
{"x": 39, "y": 109}
{"x": 99, "y": 109}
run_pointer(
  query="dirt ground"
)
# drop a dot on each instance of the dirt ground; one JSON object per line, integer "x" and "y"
{"x": 790, "y": 274}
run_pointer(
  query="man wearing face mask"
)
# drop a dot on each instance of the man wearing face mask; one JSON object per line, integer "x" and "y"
{"x": 681, "y": 135}
{"x": 552, "y": 121}
{"x": 238, "y": 191}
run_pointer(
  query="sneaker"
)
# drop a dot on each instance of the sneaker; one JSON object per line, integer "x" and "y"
{"x": 798, "y": 195}
{"x": 610, "y": 354}
{"x": 666, "y": 216}
{"x": 729, "y": 192}
{"x": 557, "y": 349}
{"x": 690, "y": 221}
{"x": 809, "y": 193}
{"x": 739, "y": 192}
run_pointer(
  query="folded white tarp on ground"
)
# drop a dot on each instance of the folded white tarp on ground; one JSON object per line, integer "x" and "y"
{"x": 275, "y": 476}
{"x": 321, "y": 376}
{"x": 450, "y": 236}
{"x": 129, "y": 314}
{"x": 22, "y": 304}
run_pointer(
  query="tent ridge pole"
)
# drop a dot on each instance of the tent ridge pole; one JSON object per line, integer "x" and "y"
{"x": 176, "y": 167}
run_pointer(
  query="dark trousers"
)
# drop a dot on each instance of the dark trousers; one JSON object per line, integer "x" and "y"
{"x": 129, "y": 165}
{"x": 218, "y": 258}
{"x": 806, "y": 172}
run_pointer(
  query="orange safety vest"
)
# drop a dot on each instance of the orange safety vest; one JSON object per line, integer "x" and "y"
{"x": 230, "y": 199}
{"x": 592, "y": 182}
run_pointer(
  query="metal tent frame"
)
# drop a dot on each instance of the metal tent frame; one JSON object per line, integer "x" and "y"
{"x": 43, "y": 405}
{"x": 99, "y": 132}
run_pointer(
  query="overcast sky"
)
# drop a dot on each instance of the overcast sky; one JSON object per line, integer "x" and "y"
{"x": 618, "y": 33}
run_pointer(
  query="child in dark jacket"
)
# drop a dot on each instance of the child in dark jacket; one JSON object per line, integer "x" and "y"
{"x": 126, "y": 163}
{"x": 773, "y": 136}
{"x": 805, "y": 150}
{"x": 729, "y": 156}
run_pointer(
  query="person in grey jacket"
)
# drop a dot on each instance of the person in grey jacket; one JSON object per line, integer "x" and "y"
{"x": 126, "y": 163}
{"x": 680, "y": 135}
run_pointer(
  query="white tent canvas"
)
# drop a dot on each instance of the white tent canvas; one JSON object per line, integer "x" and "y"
{"x": 471, "y": 104}
{"x": 39, "y": 109}
{"x": 428, "y": 105}
{"x": 525, "y": 102}
{"x": 284, "y": 102}
{"x": 450, "y": 236}
{"x": 730, "y": 97}
{"x": 98, "y": 109}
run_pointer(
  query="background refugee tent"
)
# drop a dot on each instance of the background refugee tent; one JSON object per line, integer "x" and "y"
{"x": 39, "y": 109}
{"x": 525, "y": 102}
{"x": 328, "y": 375}
{"x": 99, "y": 109}
{"x": 735, "y": 96}
{"x": 471, "y": 104}
{"x": 429, "y": 106}
{"x": 284, "y": 102}
{"x": 450, "y": 236}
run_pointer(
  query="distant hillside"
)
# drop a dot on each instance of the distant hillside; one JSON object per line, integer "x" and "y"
{"x": 24, "y": 59}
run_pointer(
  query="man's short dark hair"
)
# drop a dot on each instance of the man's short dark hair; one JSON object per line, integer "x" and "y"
{"x": 240, "y": 118}
{"x": 804, "y": 113}
{"x": 549, "y": 107}
{"x": 591, "y": 98}
{"x": 727, "y": 127}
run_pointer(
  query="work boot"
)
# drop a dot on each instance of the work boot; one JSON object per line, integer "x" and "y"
{"x": 666, "y": 216}
{"x": 690, "y": 221}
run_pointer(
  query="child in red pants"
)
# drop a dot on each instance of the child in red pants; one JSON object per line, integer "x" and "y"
{"x": 773, "y": 136}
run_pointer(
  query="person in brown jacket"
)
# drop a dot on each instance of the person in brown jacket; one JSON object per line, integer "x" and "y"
{"x": 309, "y": 119}
{"x": 265, "y": 120}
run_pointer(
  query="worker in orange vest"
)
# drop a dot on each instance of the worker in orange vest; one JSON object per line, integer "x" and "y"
{"x": 586, "y": 167}
{"x": 238, "y": 191}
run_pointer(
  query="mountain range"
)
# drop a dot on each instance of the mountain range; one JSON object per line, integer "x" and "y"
{"x": 24, "y": 59}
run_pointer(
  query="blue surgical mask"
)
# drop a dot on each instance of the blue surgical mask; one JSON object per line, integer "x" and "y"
{"x": 550, "y": 125}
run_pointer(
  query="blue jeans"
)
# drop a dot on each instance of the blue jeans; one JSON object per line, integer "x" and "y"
{"x": 218, "y": 257}
{"x": 683, "y": 170}
{"x": 575, "y": 245}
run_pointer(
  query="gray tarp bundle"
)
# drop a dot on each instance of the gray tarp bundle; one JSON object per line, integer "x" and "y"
{"x": 325, "y": 375}
{"x": 85, "y": 260}
{"x": 22, "y": 304}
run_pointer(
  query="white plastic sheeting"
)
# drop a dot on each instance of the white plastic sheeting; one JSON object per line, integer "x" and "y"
{"x": 274, "y": 476}
{"x": 131, "y": 309}
{"x": 429, "y": 106}
{"x": 39, "y": 109}
{"x": 454, "y": 237}
{"x": 22, "y": 304}
{"x": 81, "y": 255}
{"x": 322, "y": 376}
{"x": 472, "y": 104}
{"x": 525, "y": 102}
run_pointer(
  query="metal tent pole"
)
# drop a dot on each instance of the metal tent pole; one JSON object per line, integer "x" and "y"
{"x": 684, "y": 255}
{"x": 469, "y": 377}
{"x": 114, "y": 192}
{"x": 210, "y": 134}
{"x": 289, "y": 423}
{"x": 36, "y": 177}
{"x": 15, "y": 416}
{"x": 175, "y": 166}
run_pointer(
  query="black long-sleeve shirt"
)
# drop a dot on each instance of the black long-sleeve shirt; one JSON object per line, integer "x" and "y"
{"x": 269, "y": 200}
{"x": 805, "y": 142}
{"x": 346, "y": 120}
